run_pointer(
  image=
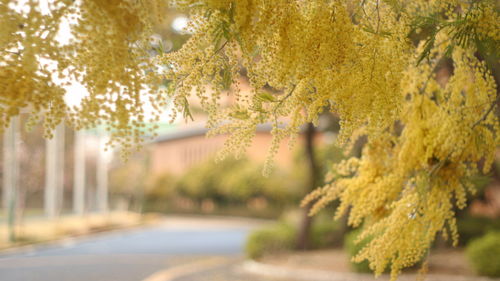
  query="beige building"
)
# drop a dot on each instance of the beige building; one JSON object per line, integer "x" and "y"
{"x": 185, "y": 145}
{"x": 176, "y": 151}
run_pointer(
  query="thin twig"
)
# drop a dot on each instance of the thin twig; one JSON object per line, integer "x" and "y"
{"x": 180, "y": 81}
{"x": 280, "y": 102}
{"x": 492, "y": 106}
{"x": 441, "y": 163}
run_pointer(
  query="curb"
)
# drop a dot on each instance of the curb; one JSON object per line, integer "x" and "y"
{"x": 288, "y": 273}
{"x": 66, "y": 241}
{"x": 268, "y": 270}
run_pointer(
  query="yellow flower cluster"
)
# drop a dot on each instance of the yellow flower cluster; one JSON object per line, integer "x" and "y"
{"x": 486, "y": 19}
{"x": 107, "y": 53}
{"x": 360, "y": 60}
{"x": 300, "y": 58}
{"x": 405, "y": 185}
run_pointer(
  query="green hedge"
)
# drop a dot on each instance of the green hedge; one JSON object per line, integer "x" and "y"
{"x": 470, "y": 227}
{"x": 235, "y": 181}
{"x": 484, "y": 254}
{"x": 325, "y": 233}
{"x": 352, "y": 248}
{"x": 282, "y": 237}
{"x": 278, "y": 238}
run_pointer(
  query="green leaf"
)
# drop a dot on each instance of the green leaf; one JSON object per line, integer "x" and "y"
{"x": 186, "y": 113}
{"x": 429, "y": 44}
{"x": 240, "y": 114}
{"x": 226, "y": 78}
{"x": 264, "y": 96}
{"x": 166, "y": 82}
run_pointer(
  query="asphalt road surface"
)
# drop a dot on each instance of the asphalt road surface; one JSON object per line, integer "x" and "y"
{"x": 130, "y": 255}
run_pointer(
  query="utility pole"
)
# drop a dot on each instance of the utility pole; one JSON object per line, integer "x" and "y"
{"x": 102, "y": 177}
{"x": 79, "y": 174}
{"x": 11, "y": 174}
{"x": 54, "y": 176}
{"x": 60, "y": 168}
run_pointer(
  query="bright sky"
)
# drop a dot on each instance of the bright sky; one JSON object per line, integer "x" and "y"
{"x": 180, "y": 23}
{"x": 75, "y": 91}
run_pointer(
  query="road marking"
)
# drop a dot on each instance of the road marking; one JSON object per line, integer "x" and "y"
{"x": 187, "y": 269}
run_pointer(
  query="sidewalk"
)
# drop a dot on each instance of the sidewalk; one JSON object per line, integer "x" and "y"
{"x": 327, "y": 265}
{"x": 332, "y": 265}
{"x": 41, "y": 230}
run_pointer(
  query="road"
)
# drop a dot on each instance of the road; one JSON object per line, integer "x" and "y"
{"x": 129, "y": 255}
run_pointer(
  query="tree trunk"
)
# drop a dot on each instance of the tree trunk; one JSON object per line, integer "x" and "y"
{"x": 303, "y": 241}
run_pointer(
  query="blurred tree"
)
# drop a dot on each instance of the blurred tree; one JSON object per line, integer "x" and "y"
{"x": 313, "y": 174}
{"x": 127, "y": 181}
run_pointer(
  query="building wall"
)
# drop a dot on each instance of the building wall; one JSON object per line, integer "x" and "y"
{"x": 176, "y": 156}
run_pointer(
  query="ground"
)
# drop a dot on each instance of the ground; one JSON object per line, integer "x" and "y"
{"x": 132, "y": 254}
{"x": 193, "y": 249}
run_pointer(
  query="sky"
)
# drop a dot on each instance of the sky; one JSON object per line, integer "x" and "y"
{"x": 75, "y": 91}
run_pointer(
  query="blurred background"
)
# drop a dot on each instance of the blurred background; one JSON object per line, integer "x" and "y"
{"x": 185, "y": 207}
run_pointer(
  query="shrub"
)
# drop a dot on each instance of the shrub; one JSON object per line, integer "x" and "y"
{"x": 470, "y": 227}
{"x": 236, "y": 182}
{"x": 352, "y": 248}
{"x": 199, "y": 182}
{"x": 272, "y": 240}
{"x": 325, "y": 233}
{"x": 162, "y": 187}
{"x": 240, "y": 181}
{"x": 484, "y": 254}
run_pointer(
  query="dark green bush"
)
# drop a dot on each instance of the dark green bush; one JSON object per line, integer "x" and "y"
{"x": 484, "y": 254}
{"x": 352, "y": 248}
{"x": 470, "y": 227}
{"x": 325, "y": 234}
{"x": 278, "y": 238}
{"x": 282, "y": 237}
{"x": 235, "y": 182}
{"x": 232, "y": 186}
